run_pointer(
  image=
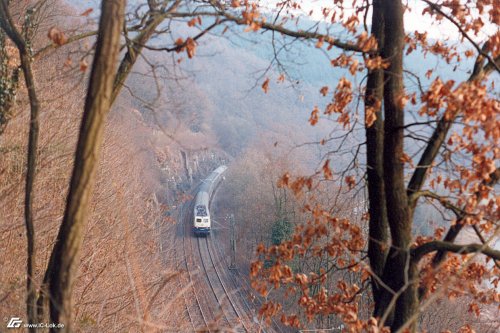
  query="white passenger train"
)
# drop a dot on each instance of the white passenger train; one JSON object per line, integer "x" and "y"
{"x": 202, "y": 223}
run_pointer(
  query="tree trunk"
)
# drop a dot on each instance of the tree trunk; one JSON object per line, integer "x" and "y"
{"x": 64, "y": 259}
{"x": 7, "y": 24}
{"x": 398, "y": 274}
{"x": 378, "y": 226}
{"x": 30, "y": 180}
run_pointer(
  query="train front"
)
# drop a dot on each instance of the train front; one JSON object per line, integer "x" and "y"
{"x": 201, "y": 225}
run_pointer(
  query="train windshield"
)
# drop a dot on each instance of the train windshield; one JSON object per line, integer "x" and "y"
{"x": 201, "y": 210}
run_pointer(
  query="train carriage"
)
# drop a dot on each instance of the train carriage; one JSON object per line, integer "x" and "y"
{"x": 201, "y": 213}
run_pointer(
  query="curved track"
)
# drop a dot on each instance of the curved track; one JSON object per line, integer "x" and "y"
{"x": 196, "y": 323}
{"x": 245, "y": 291}
{"x": 213, "y": 309}
{"x": 232, "y": 314}
{"x": 214, "y": 299}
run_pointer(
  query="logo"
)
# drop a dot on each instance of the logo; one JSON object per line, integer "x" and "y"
{"x": 14, "y": 322}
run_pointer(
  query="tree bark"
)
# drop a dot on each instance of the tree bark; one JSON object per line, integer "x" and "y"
{"x": 398, "y": 273}
{"x": 30, "y": 180}
{"x": 7, "y": 24}
{"x": 65, "y": 255}
{"x": 378, "y": 225}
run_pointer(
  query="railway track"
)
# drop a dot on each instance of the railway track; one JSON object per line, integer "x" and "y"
{"x": 232, "y": 314}
{"x": 204, "y": 275}
{"x": 213, "y": 311}
{"x": 213, "y": 299}
{"x": 198, "y": 317}
{"x": 241, "y": 291}
{"x": 244, "y": 290}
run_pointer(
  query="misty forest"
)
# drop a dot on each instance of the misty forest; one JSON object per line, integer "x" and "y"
{"x": 250, "y": 166}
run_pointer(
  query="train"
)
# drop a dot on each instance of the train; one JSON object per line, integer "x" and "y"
{"x": 201, "y": 214}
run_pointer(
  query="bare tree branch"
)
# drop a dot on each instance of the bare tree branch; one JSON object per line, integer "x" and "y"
{"x": 346, "y": 46}
{"x": 420, "y": 251}
{"x": 70, "y": 40}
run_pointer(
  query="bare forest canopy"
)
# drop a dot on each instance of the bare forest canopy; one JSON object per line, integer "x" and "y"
{"x": 363, "y": 160}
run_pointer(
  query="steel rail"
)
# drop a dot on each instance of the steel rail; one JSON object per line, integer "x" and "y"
{"x": 191, "y": 280}
{"x": 191, "y": 320}
{"x": 229, "y": 298}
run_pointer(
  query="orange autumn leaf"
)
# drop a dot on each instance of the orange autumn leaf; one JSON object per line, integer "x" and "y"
{"x": 265, "y": 85}
{"x": 87, "y": 12}
{"x": 405, "y": 158}
{"x": 327, "y": 172}
{"x": 83, "y": 65}
{"x": 57, "y": 36}
{"x": 474, "y": 308}
{"x": 190, "y": 47}
{"x": 324, "y": 90}
{"x": 402, "y": 100}
{"x": 354, "y": 67}
{"x": 284, "y": 180}
{"x": 179, "y": 42}
{"x": 376, "y": 63}
{"x": 68, "y": 62}
{"x": 255, "y": 268}
{"x": 469, "y": 53}
{"x": 370, "y": 117}
{"x": 371, "y": 113}
{"x": 313, "y": 120}
{"x": 350, "y": 181}
{"x": 344, "y": 119}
